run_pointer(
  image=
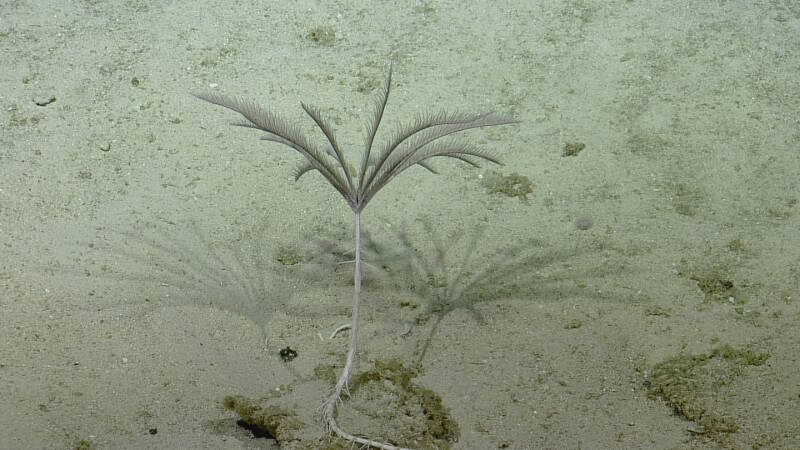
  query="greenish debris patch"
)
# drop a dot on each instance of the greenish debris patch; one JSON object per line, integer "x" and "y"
{"x": 440, "y": 429}
{"x": 324, "y": 36}
{"x": 740, "y": 357}
{"x": 514, "y": 185}
{"x": 655, "y": 310}
{"x": 688, "y": 199}
{"x": 367, "y": 83}
{"x": 276, "y": 421}
{"x": 737, "y": 246}
{"x": 718, "y": 288}
{"x": 573, "y": 148}
{"x": 84, "y": 444}
{"x": 288, "y": 256}
{"x": 714, "y": 282}
{"x": 385, "y": 399}
{"x": 325, "y": 372}
{"x": 690, "y": 384}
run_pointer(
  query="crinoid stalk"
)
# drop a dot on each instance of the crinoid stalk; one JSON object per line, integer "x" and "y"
{"x": 428, "y": 136}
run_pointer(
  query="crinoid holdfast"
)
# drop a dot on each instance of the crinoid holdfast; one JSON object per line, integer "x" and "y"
{"x": 428, "y": 136}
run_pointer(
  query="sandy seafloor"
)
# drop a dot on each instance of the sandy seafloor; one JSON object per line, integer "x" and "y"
{"x": 154, "y": 259}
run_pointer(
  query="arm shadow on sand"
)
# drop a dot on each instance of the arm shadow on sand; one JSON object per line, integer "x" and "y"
{"x": 461, "y": 270}
{"x": 159, "y": 264}
{"x": 431, "y": 272}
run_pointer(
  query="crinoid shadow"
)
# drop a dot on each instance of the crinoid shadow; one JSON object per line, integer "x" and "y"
{"x": 447, "y": 271}
{"x": 458, "y": 270}
{"x": 166, "y": 264}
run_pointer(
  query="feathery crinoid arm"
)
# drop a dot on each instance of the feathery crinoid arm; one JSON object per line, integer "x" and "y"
{"x": 335, "y": 151}
{"x": 425, "y": 138}
{"x": 372, "y": 129}
{"x": 277, "y": 129}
